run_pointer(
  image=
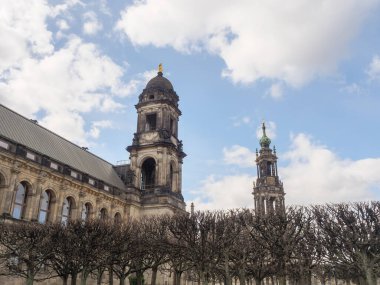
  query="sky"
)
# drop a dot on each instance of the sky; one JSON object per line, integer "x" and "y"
{"x": 309, "y": 69}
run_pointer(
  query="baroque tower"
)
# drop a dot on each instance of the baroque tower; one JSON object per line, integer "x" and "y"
{"x": 268, "y": 191}
{"x": 156, "y": 152}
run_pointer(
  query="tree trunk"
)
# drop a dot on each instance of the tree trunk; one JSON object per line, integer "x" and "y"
{"x": 83, "y": 280}
{"x": 122, "y": 280}
{"x": 228, "y": 278}
{"x": 257, "y": 281}
{"x": 242, "y": 276}
{"x": 74, "y": 279}
{"x": 177, "y": 277}
{"x": 30, "y": 278}
{"x": 154, "y": 275}
{"x": 99, "y": 277}
{"x": 64, "y": 279}
{"x": 140, "y": 277}
{"x": 110, "y": 275}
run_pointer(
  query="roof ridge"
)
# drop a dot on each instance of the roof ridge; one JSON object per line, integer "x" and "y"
{"x": 50, "y": 131}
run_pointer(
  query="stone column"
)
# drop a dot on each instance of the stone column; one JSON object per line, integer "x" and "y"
{"x": 9, "y": 192}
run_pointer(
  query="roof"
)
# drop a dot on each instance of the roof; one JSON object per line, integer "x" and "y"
{"x": 21, "y": 130}
{"x": 159, "y": 82}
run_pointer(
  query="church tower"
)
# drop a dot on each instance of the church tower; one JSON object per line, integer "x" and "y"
{"x": 268, "y": 191}
{"x": 156, "y": 152}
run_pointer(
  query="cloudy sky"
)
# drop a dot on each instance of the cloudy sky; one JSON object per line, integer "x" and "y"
{"x": 310, "y": 69}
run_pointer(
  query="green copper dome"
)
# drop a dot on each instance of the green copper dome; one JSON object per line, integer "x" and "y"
{"x": 264, "y": 141}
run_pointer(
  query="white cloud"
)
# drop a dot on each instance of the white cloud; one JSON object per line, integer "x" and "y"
{"x": 256, "y": 39}
{"x": 275, "y": 91}
{"x": 62, "y": 25}
{"x": 352, "y": 88}
{"x": 374, "y": 68}
{"x": 64, "y": 7}
{"x": 239, "y": 155}
{"x": 97, "y": 125}
{"x": 64, "y": 85}
{"x": 239, "y": 121}
{"x": 23, "y": 31}
{"x": 91, "y": 23}
{"x": 270, "y": 130}
{"x": 227, "y": 192}
{"x": 313, "y": 174}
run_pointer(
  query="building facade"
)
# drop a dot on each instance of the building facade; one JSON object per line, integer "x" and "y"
{"x": 46, "y": 178}
{"x": 268, "y": 191}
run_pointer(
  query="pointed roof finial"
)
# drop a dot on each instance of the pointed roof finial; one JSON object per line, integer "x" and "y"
{"x": 263, "y": 127}
{"x": 160, "y": 69}
{"x": 264, "y": 141}
{"x": 192, "y": 208}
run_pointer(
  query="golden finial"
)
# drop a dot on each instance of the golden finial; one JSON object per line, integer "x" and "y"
{"x": 160, "y": 69}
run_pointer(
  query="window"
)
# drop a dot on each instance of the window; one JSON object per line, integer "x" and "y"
{"x": 103, "y": 214}
{"x": 54, "y": 165}
{"x": 91, "y": 181}
{"x": 45, "y": 207}
{"x": 151, "y": 122}
{"x": 67, "y": 209}
{"x": 74, "y": 174}
{"x": 3, "y": 144}
{"x": 172, "y": 126}
{"x": 30, "y": 155}
{"x": 117, "y": 218}
{"x": 148, "y": 174}
{"x": 106, "y": 187}
{"x": 20, "y": 201}
{"x": 86, "y": 212}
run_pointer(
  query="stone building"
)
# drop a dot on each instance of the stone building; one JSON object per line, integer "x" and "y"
{"x": 44, "y": 177}
{"x": 268, "y": 191}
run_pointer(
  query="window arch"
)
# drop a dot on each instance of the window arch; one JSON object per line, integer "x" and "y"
{"x": 148, "y": 174}
{"x": 67, "y": 209}
{"x": 86, "y": 211}
{"x": 44, "y": 214}
{"x": 117, "y": 218}
{"x": 20, "y": 201}
{"x": 103, "y": 214}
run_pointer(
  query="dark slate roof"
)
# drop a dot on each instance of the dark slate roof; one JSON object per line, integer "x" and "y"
{"x": 21, "y": 130}
{"x": 159, "y": 82}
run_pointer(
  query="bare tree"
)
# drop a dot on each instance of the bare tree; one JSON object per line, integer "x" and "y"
{"x": 24, "y": 247}
{"x": 351, "y": 234}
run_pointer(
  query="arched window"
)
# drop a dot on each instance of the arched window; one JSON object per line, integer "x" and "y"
{"x": 148, "y": 174}
{"x": 67, "y": 209}
{"x": 20, "y": 201}
{"x": 45, "y": 207}
{"x": 117, "y": 218}
{"x": 103, "y": 214}
{"x": 86, "y": 211}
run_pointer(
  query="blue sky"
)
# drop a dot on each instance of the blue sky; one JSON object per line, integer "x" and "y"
{"x": 311, "y": 70}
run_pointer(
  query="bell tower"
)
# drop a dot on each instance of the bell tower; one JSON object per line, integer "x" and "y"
{"x": 156, "y": 153}
{"x": 268, "y": 191}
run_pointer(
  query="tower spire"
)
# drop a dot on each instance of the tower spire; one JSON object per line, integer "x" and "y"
{"x": 268, "y": 191}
